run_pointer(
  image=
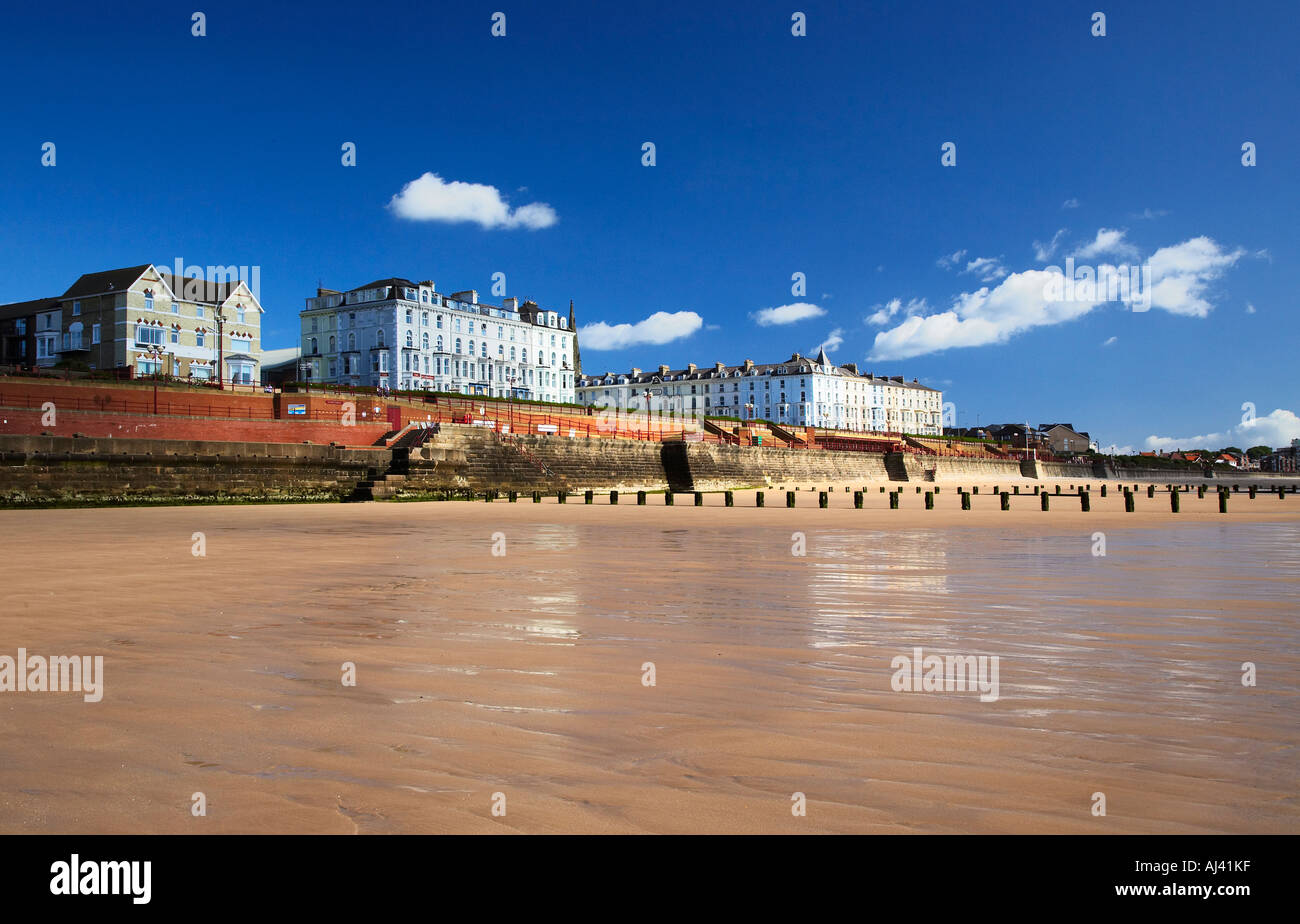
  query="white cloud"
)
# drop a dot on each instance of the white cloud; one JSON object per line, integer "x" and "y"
{"x": 660, "y": 327}
{"x": 833, "y": 341}
{"x": 1043, "y": 252}
{"x": 1107, "y": 241}
{"x": 1179, "y": 278}
{"x": 1149, "y": 214}
{"x": 1070, "y": 204}
{"x": 988, "y": 269}
{"x": 948, "y": 261}
{"x": 1111, "y": 341}
{"x": 787, "y": 314}
{"x": 982, "y": 317}
{"x": 1180, "y": 275}
{"x": 431, "y": 198}
{"x": 1276, "y": 429}
{"x": 1250, "y": 309}
{"x": 882, "y": 314}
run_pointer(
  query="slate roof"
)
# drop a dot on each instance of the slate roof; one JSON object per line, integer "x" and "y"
{"x": 795, "y": 365}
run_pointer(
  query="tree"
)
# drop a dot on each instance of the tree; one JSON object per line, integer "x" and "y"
{"x": 1258, "y": 452}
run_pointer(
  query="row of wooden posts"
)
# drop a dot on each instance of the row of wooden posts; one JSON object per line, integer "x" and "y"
{"x": 823, "y": 498}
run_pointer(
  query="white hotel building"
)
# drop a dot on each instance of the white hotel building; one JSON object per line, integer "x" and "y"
{"x": 800, "y": 392}
{"x": 407, "y": 336}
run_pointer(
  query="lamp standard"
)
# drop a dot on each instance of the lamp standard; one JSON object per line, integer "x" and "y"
{"x": 221, "y": 324}
{"x": 510, "y": 403}
{"x": 156, "y": 353}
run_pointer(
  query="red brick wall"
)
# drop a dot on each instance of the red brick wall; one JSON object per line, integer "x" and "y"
{"x": 28, "y": 422}
{"x": 198, "y": 402}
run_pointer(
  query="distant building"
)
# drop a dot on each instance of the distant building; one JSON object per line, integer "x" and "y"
{"x": 406, "y": 335}
{"x": 798, "y": 392}
{"x": 1063, "y": 439}
{"x": 1018, "y": 435}
{"x": 280, "y": 366}
{"x": 1282, "y": 459}
{"x": 144, "y": 319}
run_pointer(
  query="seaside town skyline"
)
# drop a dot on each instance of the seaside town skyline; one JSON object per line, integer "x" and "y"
{"x": 415, "y": 328}
{"x": 884, "y": 256}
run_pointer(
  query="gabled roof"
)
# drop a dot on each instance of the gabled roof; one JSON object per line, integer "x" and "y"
{"x": 116, "y": 280}
{"x": 191, "y": 289}
{"x": 796, "y": 365}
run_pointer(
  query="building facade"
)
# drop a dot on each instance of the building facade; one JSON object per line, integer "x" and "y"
{"x": 1064, "y": 440}
{"x": 1282, "y": 459}
{"x": 18, "y": 325}
{"x": 406, "y": 335}
{"x": 144, "y": 319}
{"x": 799, "y": 392}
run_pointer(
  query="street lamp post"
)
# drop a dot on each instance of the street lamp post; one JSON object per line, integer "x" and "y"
{"x": 221, "y": 323}
{"x": 156, "y": 352}
{"x": 510, "y": 403}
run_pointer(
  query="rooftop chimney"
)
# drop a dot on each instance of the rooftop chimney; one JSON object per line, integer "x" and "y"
{"x": 511, "y": 303}
{"x": 690, "y": 367}
{"x": 636, "y": 371}
{"x": 749, "y": 364}
{"x": 469, "y": 295}
{"x": 663, "y": 370}
{"x": 718, "y": 367}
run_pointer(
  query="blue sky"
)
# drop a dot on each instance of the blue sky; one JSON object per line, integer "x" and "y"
{"x": 775, "y": 154}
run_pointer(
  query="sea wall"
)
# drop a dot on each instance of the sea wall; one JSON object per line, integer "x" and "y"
{"x": 712, "y": 466}
{"x": 55, "y": 470}
{"x": 951, "y": 467}
{"x": 61, "y": 470}
{"x": 474, "y": 459}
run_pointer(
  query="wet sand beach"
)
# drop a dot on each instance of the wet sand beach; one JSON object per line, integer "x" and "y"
{"x": 522, "y": 673}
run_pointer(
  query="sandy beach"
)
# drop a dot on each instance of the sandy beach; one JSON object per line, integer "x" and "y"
{"x": 522, "y": 673}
